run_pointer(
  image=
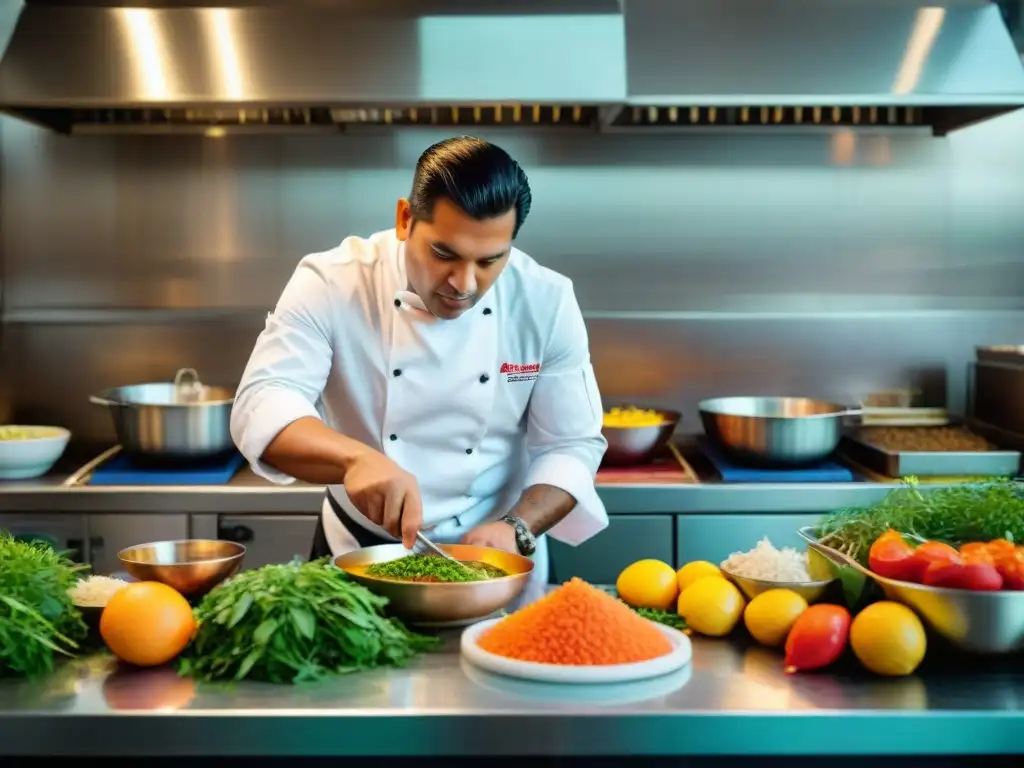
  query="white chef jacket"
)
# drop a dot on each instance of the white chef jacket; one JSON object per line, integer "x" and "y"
{"x": 476, "y": 408}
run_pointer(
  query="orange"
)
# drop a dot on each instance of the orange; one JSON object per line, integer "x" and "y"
{"x": 648, "y": 584}
{"x": 147, "y": 624}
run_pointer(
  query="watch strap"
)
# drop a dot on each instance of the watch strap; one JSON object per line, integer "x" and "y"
{"x": 526, "y": 542}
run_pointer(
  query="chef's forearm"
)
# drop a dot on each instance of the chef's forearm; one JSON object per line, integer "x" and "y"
{"x": 309, "y": 450}
{"x": 542, "y": 507}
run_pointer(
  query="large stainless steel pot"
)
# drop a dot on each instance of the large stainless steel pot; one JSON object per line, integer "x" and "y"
{"x": 179, "y": 420}
{"x": 774, "y": 431}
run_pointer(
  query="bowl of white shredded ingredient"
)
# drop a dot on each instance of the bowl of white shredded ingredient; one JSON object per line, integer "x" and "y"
{"x": 766, "y": 567}
{"x": 95, "y": 591}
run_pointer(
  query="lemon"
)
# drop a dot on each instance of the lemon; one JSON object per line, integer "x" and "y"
{"x": 698, "y": 569}
{"x": 771, "y": 615}
{"x": 820, "y": 567}
{"x": 711, "y": 606}
{"x": 888, "y": 639}
{"x": 648, "y": 584}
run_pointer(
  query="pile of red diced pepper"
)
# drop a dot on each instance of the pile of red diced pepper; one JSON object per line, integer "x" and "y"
{"x": 979, "y": 566}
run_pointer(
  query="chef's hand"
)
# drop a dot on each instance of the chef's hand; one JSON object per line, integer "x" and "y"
{"x": 386, "y": 494}
{"x": 497, "y": 535}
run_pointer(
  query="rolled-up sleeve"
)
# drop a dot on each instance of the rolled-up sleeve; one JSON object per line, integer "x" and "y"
{"x": 563, "y": 437}
{"x": 288, "y": 368}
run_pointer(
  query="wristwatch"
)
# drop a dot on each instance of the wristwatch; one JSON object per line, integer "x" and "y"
{"x": 526, "y": 542}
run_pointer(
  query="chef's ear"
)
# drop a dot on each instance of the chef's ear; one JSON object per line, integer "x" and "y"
{"x": 403, "y": 220}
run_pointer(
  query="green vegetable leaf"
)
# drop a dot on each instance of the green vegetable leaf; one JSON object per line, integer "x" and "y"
{"x": 293, "y": 623}
{"x": 853, "y": 582}
{"x": 303, "y": 621}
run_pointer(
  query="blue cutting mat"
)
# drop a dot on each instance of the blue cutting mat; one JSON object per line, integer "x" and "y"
{"x": 826, "y": 472}
{"x": 121, "y": 471}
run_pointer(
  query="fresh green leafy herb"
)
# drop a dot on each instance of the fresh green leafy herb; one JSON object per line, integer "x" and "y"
{"x": 38, "y": 621}
{"x": 668, "y": 618}
{"x": 433, "y": 568}
{"x": 294, "y": 623}
{"x": 955, "y": 514}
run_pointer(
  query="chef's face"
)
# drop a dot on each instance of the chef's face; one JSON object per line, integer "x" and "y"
{"x": 453, "y": 259}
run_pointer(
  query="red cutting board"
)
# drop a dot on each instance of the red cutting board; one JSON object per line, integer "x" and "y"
{"x": 665, "y": 470}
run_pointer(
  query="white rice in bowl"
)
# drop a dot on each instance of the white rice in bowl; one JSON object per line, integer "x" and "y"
{"x": 95, "y": 591}
{"x": 766, "y": 563}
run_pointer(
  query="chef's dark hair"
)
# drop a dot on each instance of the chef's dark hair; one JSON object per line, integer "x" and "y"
{"x": 480, "y": 178}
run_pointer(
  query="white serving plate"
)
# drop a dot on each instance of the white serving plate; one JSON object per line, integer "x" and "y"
{"x": 677, "y": 658}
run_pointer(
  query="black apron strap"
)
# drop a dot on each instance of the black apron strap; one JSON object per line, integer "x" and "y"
{"x": 363, "y": 537}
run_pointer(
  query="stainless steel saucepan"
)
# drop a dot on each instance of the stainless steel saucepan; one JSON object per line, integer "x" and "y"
{"x": 179, "y": 420}
{"x": 774, "y": 431}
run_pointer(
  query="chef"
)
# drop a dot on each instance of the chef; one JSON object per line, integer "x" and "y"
{"x": 432, "y": 376}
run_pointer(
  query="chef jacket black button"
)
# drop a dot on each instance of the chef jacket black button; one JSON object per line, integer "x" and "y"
{"x": 469, "y": 451}
{"x": 397, "y": 372}
{"x": 487, "y": 310}
{"x": 484, "y": 378}
{"x": 398, "y": 302}
{"x": 393, "y": 437}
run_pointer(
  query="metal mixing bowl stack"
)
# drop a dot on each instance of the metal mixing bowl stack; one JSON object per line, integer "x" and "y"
{"x": 441, "y": 604}
{"x": 191, "y": 566}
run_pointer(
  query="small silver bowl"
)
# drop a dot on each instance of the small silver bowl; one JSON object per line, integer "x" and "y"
{"x": 191, "y": 566}
{"x": 629, "y": 446}
{"x": 433, "y": 604}
{"x": 811, "y": 591}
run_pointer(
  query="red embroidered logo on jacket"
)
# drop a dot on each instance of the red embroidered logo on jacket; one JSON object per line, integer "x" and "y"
{"x": 520, "y": 371}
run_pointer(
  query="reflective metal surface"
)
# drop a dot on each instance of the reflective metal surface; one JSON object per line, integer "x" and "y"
{"x": 180, "y": 420}
{"x": 701, "y": 272}
{"x": 733, "y": 700}
{"x": 773, "y": 430}
{"x": 793, "y": 52}
{"x": 639, "y": 445}
{"x": 811, "y": 591}
{"x": 293, "y": 56}
{"x": 432, "y": 604}
{"x": 192, "y": 566}
{"x": 980, "y": 622}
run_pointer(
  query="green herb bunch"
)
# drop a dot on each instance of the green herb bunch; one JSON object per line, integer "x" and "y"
{"x": 414, "y": 567}
{"x": 294, "y": 623}
{"x": 38, "y": 620}
{"x": 956, "y": 514}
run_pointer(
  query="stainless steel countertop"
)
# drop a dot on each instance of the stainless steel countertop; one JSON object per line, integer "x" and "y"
{"x": 248, "y": 494}
{"x": 733, "y": 699}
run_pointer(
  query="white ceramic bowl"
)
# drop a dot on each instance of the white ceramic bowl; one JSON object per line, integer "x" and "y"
{"x": 31, "y": 455}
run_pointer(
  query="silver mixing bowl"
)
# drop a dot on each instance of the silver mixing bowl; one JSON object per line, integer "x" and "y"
{"x": 191, "y": 566}
{"x": 437, "y": 604}
{"x": 629, "y": 446}
{"x": 774, "y": 431}
{"x": 980, "y": 622}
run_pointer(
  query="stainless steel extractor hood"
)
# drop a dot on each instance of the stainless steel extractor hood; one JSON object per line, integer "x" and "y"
{"x": 325, "y": 65}
{"x": 92, "y": 65}
{"x": 942, "y": 64}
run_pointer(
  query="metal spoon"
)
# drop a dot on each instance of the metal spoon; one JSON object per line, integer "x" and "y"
{"x": 441, "y": 553}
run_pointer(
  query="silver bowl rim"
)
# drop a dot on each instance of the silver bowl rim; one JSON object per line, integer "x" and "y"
{"x": 672, "y": 417}
{"x": 225, "y": 559}
{"x": 999, "y": 594}
{"x": 777, "y": 584}
{"x": 838, "y": 409}
{"x": 379, "y": 580}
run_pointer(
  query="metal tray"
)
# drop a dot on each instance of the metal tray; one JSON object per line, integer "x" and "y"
{"x": 997, "y": 463}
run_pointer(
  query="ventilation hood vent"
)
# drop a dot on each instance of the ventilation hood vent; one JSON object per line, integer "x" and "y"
{"x": 86, "y": 66}
{"x": 311, "y": 65}
{"x": 954, "y": 62}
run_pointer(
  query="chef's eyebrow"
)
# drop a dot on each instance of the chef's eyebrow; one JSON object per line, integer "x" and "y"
{"x": 446, "y": 250}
